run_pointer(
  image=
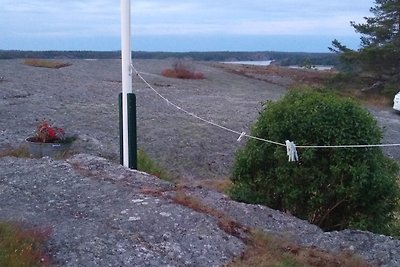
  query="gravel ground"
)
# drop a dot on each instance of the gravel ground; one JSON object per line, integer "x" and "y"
{"x": 82, "y": 98}
{"x": 389, "y": 120}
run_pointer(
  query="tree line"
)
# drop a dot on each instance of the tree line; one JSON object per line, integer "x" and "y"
{"x": 280, "y": 58}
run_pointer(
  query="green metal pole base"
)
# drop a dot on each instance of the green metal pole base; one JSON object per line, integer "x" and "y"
{"x": 132, "y": 133}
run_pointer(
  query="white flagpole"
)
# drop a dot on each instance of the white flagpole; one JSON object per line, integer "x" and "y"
{"x": 126, "y": 73}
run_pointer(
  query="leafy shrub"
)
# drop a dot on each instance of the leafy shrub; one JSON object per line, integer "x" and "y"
{"x": 332, "y": 188}
{"x": 182, "y": 70}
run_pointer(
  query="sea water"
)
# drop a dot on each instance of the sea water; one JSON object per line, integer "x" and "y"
{"x": 268, "y": 62}
{"x": 254, "y": 63}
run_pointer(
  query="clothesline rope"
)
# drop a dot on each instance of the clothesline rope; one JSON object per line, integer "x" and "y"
{"x": 290, "y": 145}
{"x": 241, "y": 135}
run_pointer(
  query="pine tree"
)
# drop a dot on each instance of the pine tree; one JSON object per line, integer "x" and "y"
{"x": 379, "y": 55}
{"x": 383, "y": 28}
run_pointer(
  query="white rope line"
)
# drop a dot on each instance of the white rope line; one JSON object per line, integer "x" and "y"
{"x": 290, "y": 146}
{"x": 351, "y": 146}
{"x": 241, "y": 134}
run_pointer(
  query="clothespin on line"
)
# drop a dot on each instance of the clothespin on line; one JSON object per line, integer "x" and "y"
{"x": 241, "y": 136}
{"x": 291, "y": 151}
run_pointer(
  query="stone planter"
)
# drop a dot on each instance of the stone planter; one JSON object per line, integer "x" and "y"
{"x": 39, "y": 149}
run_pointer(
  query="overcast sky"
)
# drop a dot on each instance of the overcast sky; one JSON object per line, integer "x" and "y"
{"x": 185, "y": 25}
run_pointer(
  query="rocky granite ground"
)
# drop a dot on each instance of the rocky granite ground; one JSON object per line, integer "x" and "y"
{"x": 103, "y": 214}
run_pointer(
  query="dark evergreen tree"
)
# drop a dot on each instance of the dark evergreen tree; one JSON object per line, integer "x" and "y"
{"x": 379, "y": 55}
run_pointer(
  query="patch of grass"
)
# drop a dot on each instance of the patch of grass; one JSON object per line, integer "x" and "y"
{"x": 221, "y": 185}
{"x": 151, "y": 191}
{"x": 182, "y": 70}
{"x": 265, "y": 250}
{"x": 350, "y": 85}
{"x": 18, "y": 152}
{"x": 297, "y": 76}
{"x": 346, "y": 84}
{"x": 225, "y": 223}
{"x": 42, "y": 63}
{"x": 269, "y": 251}
{"x": 23, "y": 152}
{"x": 146, "y": 164}
{"x": 22, "y": 248}
{"x": 369, "y": 99}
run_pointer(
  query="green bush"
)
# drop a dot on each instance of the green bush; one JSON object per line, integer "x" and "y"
{"x": 330, "y": 187}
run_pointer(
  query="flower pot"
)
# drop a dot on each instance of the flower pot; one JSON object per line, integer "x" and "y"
{"x": 40, "y": 149}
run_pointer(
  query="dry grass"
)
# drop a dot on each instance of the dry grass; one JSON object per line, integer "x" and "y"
{"x": 313, "y": 78}
{"x": 20, "y": 247}
{"x": 265, "y": 250}
{"x": 154, "y": 191}
{"x": 370, "y": 99}
{"x": 22, "y": 152}
{"x": 19, "y": 152}
{"x": 221, "y": 185}
{"x": 301, "y": 76}
{"x": 42, "y": 63}
{"x": 182, "y": 70}
{"x": 296, "y": 76}
{"x": 268, "y": 251}
{"x": 224, "y": 222}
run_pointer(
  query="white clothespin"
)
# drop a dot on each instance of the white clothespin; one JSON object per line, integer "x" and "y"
{"x": 241, "y": 136}
{"x": 291, "y": 151}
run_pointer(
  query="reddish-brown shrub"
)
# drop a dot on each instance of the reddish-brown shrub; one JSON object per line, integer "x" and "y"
{"x": 181, "y": 70}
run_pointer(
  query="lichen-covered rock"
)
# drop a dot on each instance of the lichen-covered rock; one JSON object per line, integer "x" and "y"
{"x": 377, "y": 249}
{"x": 104, "y": 214}
{"x": 101, "y": 215}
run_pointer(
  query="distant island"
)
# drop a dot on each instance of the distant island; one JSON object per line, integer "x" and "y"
{"x": 279, "y": 58}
